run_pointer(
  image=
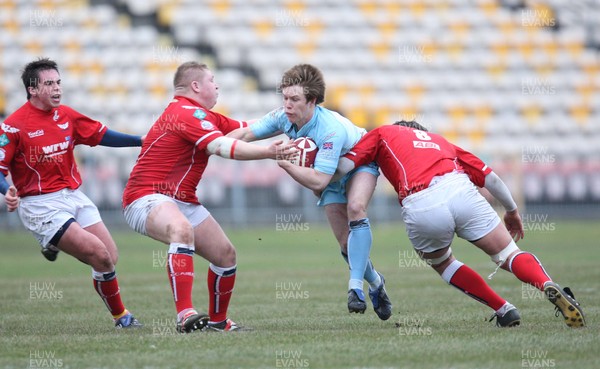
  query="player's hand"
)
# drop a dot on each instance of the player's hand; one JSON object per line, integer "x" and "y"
{"x": 12, "y": 199}
{"x": 514, "y": 225}
{"x": 143, "y": 138}
{"x": 282, "y": 152}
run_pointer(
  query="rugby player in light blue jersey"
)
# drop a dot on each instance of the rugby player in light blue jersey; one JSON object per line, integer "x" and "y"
{"x": 345, "y": 201}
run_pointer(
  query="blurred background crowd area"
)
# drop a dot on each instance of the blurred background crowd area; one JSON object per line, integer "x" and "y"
{"x": 515, "y": 81}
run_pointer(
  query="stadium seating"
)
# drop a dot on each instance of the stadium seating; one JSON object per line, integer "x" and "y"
{"x": 494, "y": 75}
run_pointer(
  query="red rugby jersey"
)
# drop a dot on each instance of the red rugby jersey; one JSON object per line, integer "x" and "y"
{"x": 36, "y": 146}
{"x": 174, "y": 156}
{"x": 410, "y": 158}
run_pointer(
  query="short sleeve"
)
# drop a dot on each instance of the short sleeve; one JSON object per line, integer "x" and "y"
{"x": 474, "y": 167}
{"x": 365, "y": 150}
{"x": 85, "y": 130}
{"x": 268, "y": 125}
{"x": 9, "y": 141}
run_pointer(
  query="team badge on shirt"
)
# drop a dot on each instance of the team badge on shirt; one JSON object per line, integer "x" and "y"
{"x": 4, "y": 140}
{"x": 63, "y": 126}
{"x": 328, "y": 145}
{"x": 206, "y": 125}
{"x": 200, "y": 114}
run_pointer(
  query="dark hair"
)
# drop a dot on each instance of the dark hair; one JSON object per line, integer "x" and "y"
{"x": 31, "y": 72}
{"x": 410, "y": 124}
{"x": 307, "y": 76}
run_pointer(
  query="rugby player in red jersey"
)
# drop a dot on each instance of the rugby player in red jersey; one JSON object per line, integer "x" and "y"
{"x": 160, "y": 197}
{"x": 436, "y": 185}
{"x": 36, "y": 147}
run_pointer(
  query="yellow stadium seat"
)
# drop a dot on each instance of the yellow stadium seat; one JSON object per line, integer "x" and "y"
{"x": 476, "y": 136}
{"x": 415, "y": 91}
{"x": 392, "y": 8}
{"x": 387, "y": 29}
{"x": 165, "y": 14}
{"x": 306, "y": 48}
{"x": 366, "y": 92}
{"x": 221, "y": 7}
{"x": 580, "y": 113}
{"x": 532, "y": 113}
{"x": 359, "y": 116}
{"x": 368, "y": 7}
{"x": 381, "y": 50}
{"x": 496, "y": 70}
{"x": 454, "y": 50}
{"x": 457, "y": 113}
{"x": 450, "y": 134}
{"x": 314, "y": 27}
{"x": 489, "y": 8}
{"x": 295, "y": 6}
{"x": 501, "y": 49}
{"x": 417, "y": 8}
{"x": 459, "y": 29}
{"x": 586, "y": 91}
{"x": 527, "y": 49}
{"x": 382, "y": 116}
{"x": 545, "y": 69}
{"x": 550, "y": 48}
{"x": 34, "y": 47}
{"x": 575, "y": 48}
{"x": 482, "y": 113}
{"x": 409, "y": 112}
{"x": 263, "y": 28}
{"x": 337, "y": 94}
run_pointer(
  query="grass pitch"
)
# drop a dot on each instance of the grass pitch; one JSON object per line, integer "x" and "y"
{"x": 291, "y": 289}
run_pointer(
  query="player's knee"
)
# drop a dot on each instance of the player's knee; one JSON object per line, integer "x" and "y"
{"x": 503, "y": 257}
{"x": 356, "y": 210}
{"x": 181, "y": 232}
{"x": 100, "y": 259}
{"x": 228, "y": 256}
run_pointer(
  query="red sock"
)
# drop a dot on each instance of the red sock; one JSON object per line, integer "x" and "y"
{"x": 528, "y": 269}
{"x": 471, "y": 283}
{"x": 181, "y": 276}
{"x": 220, "y": 288}
{"x": 109, "y": 293}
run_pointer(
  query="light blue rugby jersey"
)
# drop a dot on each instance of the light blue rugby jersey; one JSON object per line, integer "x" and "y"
{"x": 333, "y": 134}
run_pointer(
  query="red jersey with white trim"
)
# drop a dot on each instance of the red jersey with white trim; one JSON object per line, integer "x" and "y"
{"x": 410, "y": 158}
{"x": 174, "y": 156}
{"x": 36, "y": 146}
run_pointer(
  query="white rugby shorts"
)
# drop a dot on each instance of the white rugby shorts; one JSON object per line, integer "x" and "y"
{"x": 451, "y": 205}
{"x": 43, "y": 215}
{"x": 137, "y": 212}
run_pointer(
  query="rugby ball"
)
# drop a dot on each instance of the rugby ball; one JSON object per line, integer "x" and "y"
{"x": 307, "y": 150}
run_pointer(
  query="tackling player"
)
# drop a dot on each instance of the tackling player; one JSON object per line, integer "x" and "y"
{"x": 435, "y": 181}
{"x": 36, "y": 147}
{"x": 160, "y": 197}
{"x": 346, "y": 200}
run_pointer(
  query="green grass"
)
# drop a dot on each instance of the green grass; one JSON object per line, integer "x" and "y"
{"x": 291, "y": 288}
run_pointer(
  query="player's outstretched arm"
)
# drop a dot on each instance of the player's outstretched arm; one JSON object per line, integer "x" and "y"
{"x": 244, "y": 134}
{"x": 230, "y": 148}
{"x": 512, "y": 219}
{"x": 307, "y": 177}
{"x": 117, "y": 139}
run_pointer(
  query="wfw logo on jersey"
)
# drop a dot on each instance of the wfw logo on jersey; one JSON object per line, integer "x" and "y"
{"x": 63, "y": 126}
{"x": 38, "y": 133}
{"x": 55, "y": 118}
{"x": 9, "y": 129}
{"x": 56, "y": 149}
